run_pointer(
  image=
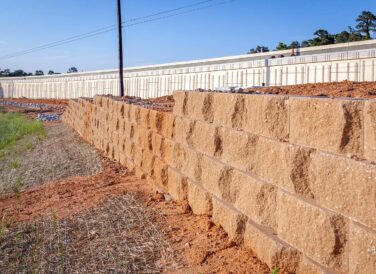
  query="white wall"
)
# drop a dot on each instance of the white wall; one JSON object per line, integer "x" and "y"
{"x": 351, "y": 61}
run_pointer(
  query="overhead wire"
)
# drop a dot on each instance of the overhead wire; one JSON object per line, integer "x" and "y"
{"x": 136, "y": 21}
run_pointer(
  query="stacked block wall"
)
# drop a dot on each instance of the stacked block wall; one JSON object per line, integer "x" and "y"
{"x": 293, "y": 178}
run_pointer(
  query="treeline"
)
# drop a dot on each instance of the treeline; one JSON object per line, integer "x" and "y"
{"x": 366, "y": 24}
{"x": 20, "y": 72}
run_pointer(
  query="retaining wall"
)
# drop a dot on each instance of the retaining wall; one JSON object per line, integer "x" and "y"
{"x": 354, "y": 61}
{"x": 293, "y": 178}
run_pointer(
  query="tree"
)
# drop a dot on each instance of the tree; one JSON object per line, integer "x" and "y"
{"x": 305, "y": 44}
{"x": 39, "y": 72}
{"x": 259, "y": 49}
{"x": 366, "y": 23}
{"x": 323, "y": 37}
{"x": 294, "y": 45}
{"x": 281, "y": 46}
{"x": 72, "y": 70}
{"x": 50, "y": 72}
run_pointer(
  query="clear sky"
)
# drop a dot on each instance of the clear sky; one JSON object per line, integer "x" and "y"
{"x": 228, "y": 29}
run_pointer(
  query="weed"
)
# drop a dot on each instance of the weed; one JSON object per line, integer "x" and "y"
{"x": 29, "y": 145}
{"x": 14, "y": 164}
{"x": 276, "y": 270}
{"x": 2, "y": 109}
{"x": 17, "y": 186}
{"x": 13, "y": 126}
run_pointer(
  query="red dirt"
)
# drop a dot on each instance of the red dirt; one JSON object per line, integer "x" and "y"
{"x": 39, "y": 101}
{"x": 338, "y": 89}
{"x": 205, "y": 248}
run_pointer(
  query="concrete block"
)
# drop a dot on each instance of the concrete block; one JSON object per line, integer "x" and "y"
{"x": 200, "y": 106}
{"x": 267, "y": 115}
{"x": 190, "y": 163}
{"x": 309, "y": 266}
{"x": 147, "y": 162}
{"x": 231, "y": 220}
{"x": 199, "y": 199}
{"x": 229, "y": 110}
{"x": 136, "y": 155}
{"x": 160, "y": 172}
{"x": 143, "y": 118}
{"x": 321, "y": 235}
{"x": 177, "y": 185}
{"x": 167, "y": 151}
{"x": 333, "y": 125}
{"x": 180, "y": 99}
{"x": 145, "y": 138}
{"x": 253, "y": 198}
{"x": 157, "y": 141}
{"x": 204, "y": 138}
{"x": 333, "y": 178}
{"x": 132, "y": 113}
{"x": 215, "y": 176}
{"x": 162, "y": 122}
{"x": 362, "y": 249}
{"x": 283, "y": 165}
{"x": 370, "y": 130}
{"x": 182, "y": 130}
{"x": 236, "y": 148}
{"x": 270, "y": 249}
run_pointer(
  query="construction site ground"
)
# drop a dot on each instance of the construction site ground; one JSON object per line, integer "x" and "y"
{"x": 88, "y": 214}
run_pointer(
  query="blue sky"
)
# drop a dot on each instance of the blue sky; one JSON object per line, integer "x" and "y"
{"x": 228, "y": 29}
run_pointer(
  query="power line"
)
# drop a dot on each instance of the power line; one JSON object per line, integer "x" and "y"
{"x": 153, "y": 17}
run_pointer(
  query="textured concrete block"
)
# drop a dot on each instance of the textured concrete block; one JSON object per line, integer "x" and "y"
{"x": 132, "y": 113}
{"x": 267, "y": 115}
{"x": 162, "y": 122}
{"x": 236, "y": 148}
{"x": 204, "y": 138}
{"x": 308, "y": 266}
{"x": 255, "y": 199}
{"x": 167, "y": 151}
{"x": 215, "y": 176}
{"x": 182, "y": 130}
{"x": 344, "y": 185}
{"x": 321, "y": 235}
{"x": 136, "y": 154}
{"x": 180, "y": 99}
{"x": 142, "y": 117}
{"x": 157, "y": 141}
{"x": 327, "y": 124}
{"x": 147, "y": 162}
{"x": 200, "y": 106}
{"x": 370, "y": 130}
{"x": 231, "y": 220}
{"x": 160, "y": 172}
{"x": 283, "y": 165}
{"x": 145, "y": 138}
{"x": 229, "y": 110}
{"x": 177, "y": 185}
{"x": 362, "y": 249}
{"x": 199, "y": 200}
{"x": 270, "y": 249}
{"x": 190, "y": 163}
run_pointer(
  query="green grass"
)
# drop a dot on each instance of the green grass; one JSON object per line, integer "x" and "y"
{"x": 14, "y": 126}
{"x": 14, "y": 164}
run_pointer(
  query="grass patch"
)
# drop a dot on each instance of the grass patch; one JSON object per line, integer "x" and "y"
{"x": 14, "y": 126}
{"x": 14, "y": 164}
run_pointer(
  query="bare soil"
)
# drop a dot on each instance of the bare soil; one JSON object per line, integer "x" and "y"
{"x": 40, "y": 101}
{"x": 337, "y": 89}
{"x": 186, "y": 243}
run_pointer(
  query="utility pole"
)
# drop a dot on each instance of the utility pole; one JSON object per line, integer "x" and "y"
{"x": 120, "y": 36}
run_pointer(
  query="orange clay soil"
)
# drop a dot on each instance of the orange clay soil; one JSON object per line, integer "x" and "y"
{"x": 338, "y": 89}
{"x": 39, "y": 101}
{"x": 204, "y": 247}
